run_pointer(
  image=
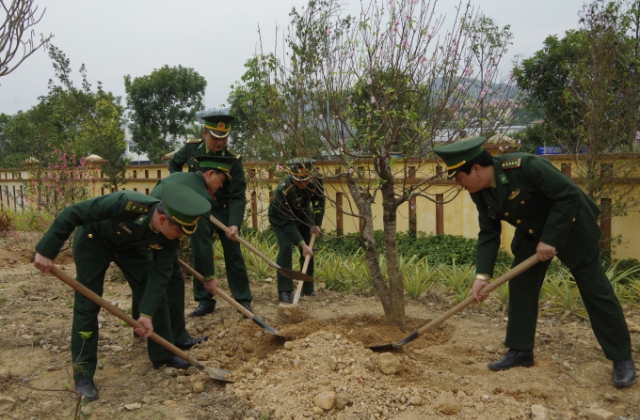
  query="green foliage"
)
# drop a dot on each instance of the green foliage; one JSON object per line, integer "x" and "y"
{"x": 85, "y": 335}
{"x": 441, "y": 249}
{"x": 563, "y": 295}
{"x": 163, "y": 106}
{"x": 418, "y": 276}
{"x": 458, "y": 278}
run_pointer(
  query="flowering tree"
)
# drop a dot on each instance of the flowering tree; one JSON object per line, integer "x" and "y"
{"x": 62, "y": 182}
{"x": 374, "y": 93}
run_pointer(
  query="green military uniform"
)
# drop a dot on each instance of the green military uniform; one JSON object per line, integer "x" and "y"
{"x": 115, "y": 227}
{"x": 545, "y": 206}
{"x": 229, "y": 208}
{"x": 292, "y": 213}
{"x": 201, "y": 245}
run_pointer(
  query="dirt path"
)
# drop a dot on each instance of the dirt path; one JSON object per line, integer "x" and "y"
{"x": 321, "y": 370}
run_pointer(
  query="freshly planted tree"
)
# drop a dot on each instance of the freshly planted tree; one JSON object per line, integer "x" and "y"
{"x": 163, "y": 106}
{"x": 373, "y": 94}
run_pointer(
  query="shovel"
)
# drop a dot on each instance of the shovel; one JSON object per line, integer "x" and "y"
{"x": 213, "y": 373}
{"x": 305, "y": 266}
{"x": 230, "y": 300}
{"x": 292, "y": 274}
{"x": 518, "y": 269}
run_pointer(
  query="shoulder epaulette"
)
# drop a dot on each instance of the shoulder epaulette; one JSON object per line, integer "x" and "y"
{"x": 286, "y": 188}
{"x": 229, "y": 152}
{"x": 194, "y": 141}
{"x": 134, "y": 207}
{"x": 511, "y": 164}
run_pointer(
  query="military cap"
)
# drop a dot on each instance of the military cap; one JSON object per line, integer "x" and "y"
{"x": 457, "y": 154}
{"x": 300, "y": 168}
{"x": 221, "y": 163}
{"x": 218, "y": 126}
{"x": 184, "y": 205}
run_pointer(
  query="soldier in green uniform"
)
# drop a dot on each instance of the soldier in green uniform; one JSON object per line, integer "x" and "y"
{"x": 212, "y": 172}
{"x": 230, "y": 203}
{"x": 552, "y": 217}
{"x": 141, "y": 235}
{"x": 295, "y": 213}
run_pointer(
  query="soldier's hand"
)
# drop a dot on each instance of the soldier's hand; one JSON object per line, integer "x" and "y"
{"x": 148, "y": 327}
{"x": 315, "y": 230}
{"x": 42, "y": 263}
{"x": 478, "y": 285}
{"x": 231, "y": 232}
{"x": 545, "y": 252}
{"x": 212, "y": 286}
{"x": 307, "y": 251}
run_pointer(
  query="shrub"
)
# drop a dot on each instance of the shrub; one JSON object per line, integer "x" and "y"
{"x": 6, "y": 223}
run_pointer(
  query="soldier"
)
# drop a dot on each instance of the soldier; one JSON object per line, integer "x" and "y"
{"x": 295, "y": 213}
{"x": 212, "y": 172}
{"x": 230, "y": 203}
{"x": 552, "y": 217}
{"x": 141, "y": 235}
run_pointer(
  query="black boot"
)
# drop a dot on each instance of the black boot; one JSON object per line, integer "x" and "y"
{"x": 192, "y": 342}
{"x": 285, "y": 297}
{"x": 202, "y": 310}
{"x": 87, "y": 388}
{"x": 624, "y": 373}
{"x": 174, "y": 362}
{"x": 513, "y": 358}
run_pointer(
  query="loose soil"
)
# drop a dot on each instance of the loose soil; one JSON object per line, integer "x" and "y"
{"x": 317, "y": 368}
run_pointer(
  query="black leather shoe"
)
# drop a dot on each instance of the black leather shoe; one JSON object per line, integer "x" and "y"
{"x": 202, "y": 310}
{"x": 513, "y": 358}
{"x": 312, "y": 294}
{"x": 192, "y": 342}
{"x": 285, "y": 297}
{"x": 624, "y": 373}
{"x": 87, "y": 388}
{"x": 247, "y": 307}
{"x": 174, "y": 362}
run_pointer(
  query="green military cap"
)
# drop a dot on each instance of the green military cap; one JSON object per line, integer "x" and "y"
{"x": 300, "y": 168}
{"x": 184, "y": 205}
{"x": 457, "y": 154}
{"x": 218, "y": 126}
{"x": 221, "y": 163}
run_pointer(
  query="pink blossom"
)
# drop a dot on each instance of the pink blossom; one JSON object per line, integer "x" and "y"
{"x": 467, "y": 71}
{"x": 373, "y": 99}
{"x": 278, "y": 168}
{"x": 320, "y": 116}
{"x": 249, "y": 102}
{"x": 404, "y": 43}
{"x": 460, "y": 87}
{"x": 351, "y": 54}
{"x": 369, "y": 81}
{"x": 350, "y": 170}
{"x": 329, "y": 31}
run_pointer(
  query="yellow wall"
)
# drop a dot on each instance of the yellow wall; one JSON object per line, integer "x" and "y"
{"x": 460, "y": 215}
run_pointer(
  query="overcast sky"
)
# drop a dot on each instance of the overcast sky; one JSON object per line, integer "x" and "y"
{"x": 118, "y": 37}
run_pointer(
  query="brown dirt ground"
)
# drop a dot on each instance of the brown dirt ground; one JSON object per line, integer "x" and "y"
{"x": 321, "y": 360}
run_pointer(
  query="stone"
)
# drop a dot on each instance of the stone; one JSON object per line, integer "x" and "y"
{"x": 343, "y": 399}
{"x": 133, "y": 406}
{"x": 537, "y": 390}
{"x": 491, "y": 349}
{"x": 539, "y": 412}
{"x": 389, "y": 364}
{"x": 198, "y": 387}
{"x": 600, "y": 414}
{"x": 288, "y": 345}
{"x": 249, "y": 346}
{"x": 6, "y": 404}
{"x": 325, "y": 400}
{"x": 169, "y": 402}
{"x": 415, "y": 400}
